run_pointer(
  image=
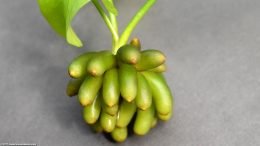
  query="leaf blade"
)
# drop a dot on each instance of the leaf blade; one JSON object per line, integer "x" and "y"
{"x": 59, "y": 14}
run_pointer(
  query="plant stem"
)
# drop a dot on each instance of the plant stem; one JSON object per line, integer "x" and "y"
{"x": 134, "y": 21}
{"x": 111, "y": 27}
{"x": 113, "y": 20}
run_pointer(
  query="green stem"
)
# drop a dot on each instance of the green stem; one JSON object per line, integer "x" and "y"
{"x": 114, "y": 24}
{"x": 134, "y": 21}
{"x": 113, "y": 19}
{"x": 112, "y": 29}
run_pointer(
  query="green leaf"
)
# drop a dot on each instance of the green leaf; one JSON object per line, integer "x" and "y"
{"x": 110, "y": 6}
{"x": 59, "y": 14}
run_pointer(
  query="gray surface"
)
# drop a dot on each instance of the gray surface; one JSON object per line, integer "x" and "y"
{"x": 213, "y": 50}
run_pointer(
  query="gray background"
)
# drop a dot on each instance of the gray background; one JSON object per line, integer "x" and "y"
{"x": 213, "y": 56}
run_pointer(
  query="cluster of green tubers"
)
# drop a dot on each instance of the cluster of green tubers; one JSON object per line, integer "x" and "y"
{"x": 115, "y": 90}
